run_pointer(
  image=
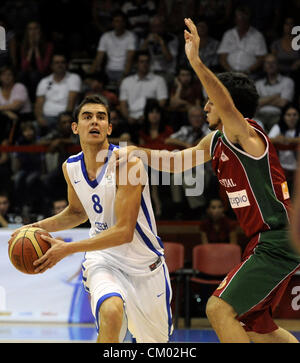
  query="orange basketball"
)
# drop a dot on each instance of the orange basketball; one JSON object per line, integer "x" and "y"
{"x": 26, "y": 247}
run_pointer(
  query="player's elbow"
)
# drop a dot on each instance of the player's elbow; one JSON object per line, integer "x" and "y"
{"x": 126, "y": 235}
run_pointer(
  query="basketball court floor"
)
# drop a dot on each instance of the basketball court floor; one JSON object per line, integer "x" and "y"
{"x": 86, "y": 333}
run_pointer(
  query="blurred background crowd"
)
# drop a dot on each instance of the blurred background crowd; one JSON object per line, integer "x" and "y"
{"x": 132, "y": 54}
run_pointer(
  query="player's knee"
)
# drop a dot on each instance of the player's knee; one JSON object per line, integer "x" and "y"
{"x": 111, "y": 312}
{"x": 217, "y": 309}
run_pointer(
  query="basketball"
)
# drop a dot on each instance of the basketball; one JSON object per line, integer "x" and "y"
{"x": 26, "y": 247}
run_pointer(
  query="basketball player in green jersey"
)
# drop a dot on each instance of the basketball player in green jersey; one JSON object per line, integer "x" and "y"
{"x": 247, "y": 167}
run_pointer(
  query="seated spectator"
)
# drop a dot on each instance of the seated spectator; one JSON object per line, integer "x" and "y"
{"x": 59, "y": 205}
{"x": 155, "y": 130}
{"x": 288, "y": 58}
{"x": 186, "y": 91}
{"x": 287, "y": 132}
{"x": 35, "y": 56}
{"x": 139, "y": 13}
{"x": 135, "y": 90}
{"x": 208, "y": 45}
{"x": 152, "y": 135}
{"x": 216, "y": 227}
{"x": 120, "y": 130}
{"x": 275, "y": 91}
{"x": 96, "y": 84}
{"x": 187, "y": 136}
{"x": 14, "y": 101}
{"x": 163, "y": 48}
{"x": 28, "y": 170}
{"x": 118, "y": 46}
{"x": 56, "y": 93}
{"x": 58, "y": 139}
{"x": 242, "y": 48}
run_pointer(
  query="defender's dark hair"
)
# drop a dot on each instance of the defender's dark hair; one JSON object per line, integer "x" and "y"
{"x": 91, "y": 99}
{"x": 242, "y": 90}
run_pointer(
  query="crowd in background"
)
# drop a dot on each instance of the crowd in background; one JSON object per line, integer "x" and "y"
{"x": 132, "y": 54}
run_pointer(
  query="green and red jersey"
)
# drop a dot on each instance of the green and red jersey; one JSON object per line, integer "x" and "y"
{"x": 256, "y": 186}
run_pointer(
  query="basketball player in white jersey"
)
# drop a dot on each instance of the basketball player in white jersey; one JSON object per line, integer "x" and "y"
{"x": 124, "y": 268}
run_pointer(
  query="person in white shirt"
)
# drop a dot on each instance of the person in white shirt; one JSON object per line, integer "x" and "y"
{"x": 242, "y": 48}
{"x": 275, "y": 91}
{"x": 135, "y": 90}
{"x": 118, "y": 46}
{"x": 287, "y": 132}
{"x": 56, "y": 93}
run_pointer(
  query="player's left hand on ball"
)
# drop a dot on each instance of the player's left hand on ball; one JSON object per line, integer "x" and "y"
{"x": 57, "y": 252}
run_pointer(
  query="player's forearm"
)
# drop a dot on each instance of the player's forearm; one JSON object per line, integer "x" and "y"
{"x": 112, "y": 237}
{"x": 171, "y": 161}
{"x": 217, "y": 93}
{"x": 66, "y": 219}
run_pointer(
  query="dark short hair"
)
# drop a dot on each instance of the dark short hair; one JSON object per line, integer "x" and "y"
{"x": 91, "y": 99}
{"x": 242, "y": 90}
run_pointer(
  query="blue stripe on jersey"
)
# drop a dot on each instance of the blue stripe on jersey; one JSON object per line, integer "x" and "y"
{"x": 147, "y": 215}
{"x": 147, "y": 240}
{"x": 96, "y": 182}
{"x": 73, "y": 159}
{"x": 168, "y": 303}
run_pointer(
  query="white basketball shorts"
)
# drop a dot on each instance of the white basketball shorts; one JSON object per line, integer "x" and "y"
{"x": 146, "y": 298}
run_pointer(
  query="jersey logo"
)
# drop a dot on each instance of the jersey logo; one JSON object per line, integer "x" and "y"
{"x": 76, "y": 181}
{"x": 238, "y": 199}
{"x": 285, "y": 190}
{"x": 224, "y": 157}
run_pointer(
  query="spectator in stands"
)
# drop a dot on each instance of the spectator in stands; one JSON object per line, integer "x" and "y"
{"x": 97, "y": 84}
{"x": 102, "y": 12}
{"x": 287, "y": 132}
{"x": 163, "y": 48}
{"x": 120, "y": 130}
{"x": 155, "y": 130}
{"x": 59, "y": 205}
{"x": 153, "y": 135}
{"x": 4, "y": 208}
{"x": 275, "y": 91}
{"x": 187, "y": 136}
{"x": 186, "y": 91}
{"x": 288, "y": 58}
{"x": 135, "y": 90}
{"x": 265, "y": 15}
{"x": 56, "y": 93}
{"x": 243, "y": 47}
{"x": 58, "y": 140}
{"x": 139, "y": 13}
{"x": 208, "y": 46}
{"x": 14, "y": 101}
{"x": 35, "y": 55}
{"x": 28, "y": 169}
{"x": 217, "y": 12}
{"x": 216, "y": 227}
{"x": 118, "y": 46}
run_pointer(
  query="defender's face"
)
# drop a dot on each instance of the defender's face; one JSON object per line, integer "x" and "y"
{"x": 212, "y": 116}
{"x": 93, "y": 126}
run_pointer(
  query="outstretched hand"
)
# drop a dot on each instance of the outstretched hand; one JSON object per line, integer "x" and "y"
{"x": 192, "y": 41}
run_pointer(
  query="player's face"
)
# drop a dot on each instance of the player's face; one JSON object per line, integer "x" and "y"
{"x": 212, "y": 116}
{"x": 93, "y": 126}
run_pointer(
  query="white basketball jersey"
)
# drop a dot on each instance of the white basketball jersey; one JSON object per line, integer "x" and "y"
{"x": 98, "y": 198}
